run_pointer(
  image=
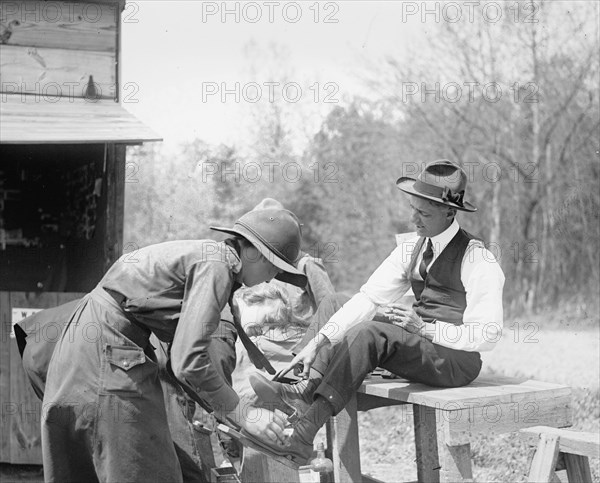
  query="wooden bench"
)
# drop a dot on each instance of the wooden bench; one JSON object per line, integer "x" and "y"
{"x": 558, "y": 449}
{"x": 446, "y": 419}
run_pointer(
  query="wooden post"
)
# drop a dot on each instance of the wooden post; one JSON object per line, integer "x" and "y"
{"x": 578, "y": 468}
{"x": 544, "y": 460}
{"x": 455, "y": 463}
{"x": 455, "y": 459}
{"x": 342, "y": 438}
{"x": 115, "y": 203}
{"x": 428, "y": 465}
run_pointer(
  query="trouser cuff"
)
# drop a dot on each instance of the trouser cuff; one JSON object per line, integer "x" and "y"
{"x": 337, "y": 400}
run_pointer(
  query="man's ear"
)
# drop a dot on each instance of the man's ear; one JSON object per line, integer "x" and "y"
{"x": 451, "y": 213}
{"x": 249, "y": 252}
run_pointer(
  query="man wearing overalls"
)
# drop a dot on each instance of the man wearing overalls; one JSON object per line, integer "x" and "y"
{"x": 104, "y": 417}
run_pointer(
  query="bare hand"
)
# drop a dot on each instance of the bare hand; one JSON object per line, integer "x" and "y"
{"x": 302, "y": 362}
{"x": 404, "y": 316}
{"x": 264, "y": 424}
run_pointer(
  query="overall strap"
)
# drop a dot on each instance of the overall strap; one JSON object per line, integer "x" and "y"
{"x": 254, "y": 353}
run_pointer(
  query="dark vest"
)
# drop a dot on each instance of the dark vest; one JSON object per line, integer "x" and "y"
{"x": 442, "y": 295}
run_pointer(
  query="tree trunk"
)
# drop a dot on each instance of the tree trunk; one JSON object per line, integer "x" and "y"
{"x": 535, "y": 158}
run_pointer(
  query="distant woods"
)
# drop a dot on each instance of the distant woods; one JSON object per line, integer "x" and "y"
{"x": 516, "y": 104}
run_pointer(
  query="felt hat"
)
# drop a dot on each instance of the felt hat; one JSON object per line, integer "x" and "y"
{"x": 275, "y": 232}
{"x": 441, "y": 181}
{"x": 268, "y": 203}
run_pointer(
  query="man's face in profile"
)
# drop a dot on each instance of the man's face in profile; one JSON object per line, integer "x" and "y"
{"x": 430, "y": 218}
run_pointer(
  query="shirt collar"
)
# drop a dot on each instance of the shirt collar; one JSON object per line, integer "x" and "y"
{"x": 232, "y": 256}
{"x": 441, "y": 240}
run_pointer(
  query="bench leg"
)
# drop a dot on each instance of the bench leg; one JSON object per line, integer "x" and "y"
{"x": 342, "y": 438}
{"x": 438, "y": 461}
{"x": 578, "y": 468}
{"x": 544, "y": 459}
{"x": 428, "y": 465}
{"x": 455, "y": 462}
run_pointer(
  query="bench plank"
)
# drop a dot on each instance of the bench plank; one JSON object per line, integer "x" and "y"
{"x": 573, "y": 442}
{"x": 483, "y": 391}
{"x": 460, "y": 426}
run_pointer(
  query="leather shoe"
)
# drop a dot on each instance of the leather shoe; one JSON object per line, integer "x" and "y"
{"x": 294, "y": 449}
{"x": 292, "y": 399}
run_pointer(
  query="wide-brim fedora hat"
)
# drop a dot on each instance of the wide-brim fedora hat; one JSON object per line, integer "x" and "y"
{"x": 275, "y": 232}
{"x": 441, "y": 181}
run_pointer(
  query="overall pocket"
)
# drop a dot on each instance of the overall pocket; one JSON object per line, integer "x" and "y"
{"x": 127, "y": 370}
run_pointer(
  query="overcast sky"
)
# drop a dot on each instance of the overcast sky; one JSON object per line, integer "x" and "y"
{"x": 186, "y": 71}
{"x": 179, "y": 56}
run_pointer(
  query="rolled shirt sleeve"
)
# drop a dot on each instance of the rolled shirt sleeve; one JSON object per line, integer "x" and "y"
{"x": 387, "y": 284}
{"x": 207, "y": 289}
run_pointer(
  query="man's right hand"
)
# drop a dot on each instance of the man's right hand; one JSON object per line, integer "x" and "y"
{"x": 305, "y": 358}
{"x": 263, "y": 424}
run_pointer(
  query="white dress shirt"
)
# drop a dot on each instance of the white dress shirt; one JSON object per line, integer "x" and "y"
{"x": 481, "y": 276}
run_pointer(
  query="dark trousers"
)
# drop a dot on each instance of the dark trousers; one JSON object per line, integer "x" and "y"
{"x": 371, "y": 344}
{"x": 181, "y": 408}
{"x": 103, "y": 415}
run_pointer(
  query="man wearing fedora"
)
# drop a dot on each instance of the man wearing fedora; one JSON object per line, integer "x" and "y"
{"x": 104, "y": 416}
{"x": 457, "y": 285}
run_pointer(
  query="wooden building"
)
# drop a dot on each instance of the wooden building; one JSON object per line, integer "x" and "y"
{"x": 63, "y": 137}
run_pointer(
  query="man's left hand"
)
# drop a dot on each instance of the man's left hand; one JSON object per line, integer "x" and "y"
{"x": 404, "y": 316}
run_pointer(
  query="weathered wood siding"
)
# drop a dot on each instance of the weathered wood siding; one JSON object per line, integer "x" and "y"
{"x": 58, "y": 49}
{"x": 20, "y": 440}
{"x": 61, "y": 25}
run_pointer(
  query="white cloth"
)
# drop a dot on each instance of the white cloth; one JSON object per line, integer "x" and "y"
{"x": 481, "y": 276}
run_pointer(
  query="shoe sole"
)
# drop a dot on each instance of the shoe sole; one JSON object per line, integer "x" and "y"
{"x": 264, "y": 447}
